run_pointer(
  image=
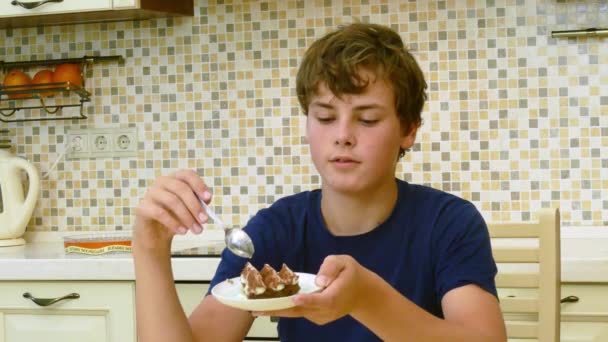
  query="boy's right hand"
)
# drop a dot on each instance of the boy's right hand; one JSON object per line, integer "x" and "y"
{"x": 170, "y": 206}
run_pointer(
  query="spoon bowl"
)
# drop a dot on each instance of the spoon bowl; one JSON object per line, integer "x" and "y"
{"x": 237, "y": 241}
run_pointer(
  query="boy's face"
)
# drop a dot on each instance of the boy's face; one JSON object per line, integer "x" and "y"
{"x": 354, "y": 140}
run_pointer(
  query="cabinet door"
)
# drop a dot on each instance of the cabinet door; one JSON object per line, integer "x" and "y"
{"x": 104, "y": 312}
{"x": 7, "y": 9}
{"x": 584, "y": 332}
{"x": 587, "y": 319}
{"x": 190, "y": 295}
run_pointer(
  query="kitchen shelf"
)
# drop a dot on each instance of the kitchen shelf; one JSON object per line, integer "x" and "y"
{"x": 36, "y": 96}
{"x": 35, "y": 91}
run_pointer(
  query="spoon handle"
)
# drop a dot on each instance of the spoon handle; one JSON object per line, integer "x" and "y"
{"x": 211, "y": 214}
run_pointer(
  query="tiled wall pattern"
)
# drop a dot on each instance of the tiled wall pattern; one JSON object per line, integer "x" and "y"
{"x": 516, "y": 120}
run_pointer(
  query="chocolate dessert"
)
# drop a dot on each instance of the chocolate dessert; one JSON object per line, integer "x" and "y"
{"x": 268, "y": 283}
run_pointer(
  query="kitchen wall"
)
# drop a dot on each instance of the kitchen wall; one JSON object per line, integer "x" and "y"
{"x": 516, "y": 120}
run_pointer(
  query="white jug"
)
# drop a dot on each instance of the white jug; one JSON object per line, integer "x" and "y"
{"x": 16, "y": 210}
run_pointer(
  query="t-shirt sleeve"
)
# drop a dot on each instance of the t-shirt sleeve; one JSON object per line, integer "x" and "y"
{"x": 463, "y": 250}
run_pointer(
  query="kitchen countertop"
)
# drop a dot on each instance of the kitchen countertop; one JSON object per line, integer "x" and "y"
{"x": 43, "y": 258}
{"x": 584, "y": 258}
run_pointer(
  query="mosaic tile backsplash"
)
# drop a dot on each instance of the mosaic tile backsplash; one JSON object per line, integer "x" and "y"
{"x": 516, "y": 120}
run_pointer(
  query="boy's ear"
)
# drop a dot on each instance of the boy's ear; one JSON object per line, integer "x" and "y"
{"x": 409, "y": 137}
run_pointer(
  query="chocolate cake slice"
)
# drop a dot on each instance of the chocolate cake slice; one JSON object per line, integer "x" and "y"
{"x": 268, "y": 283}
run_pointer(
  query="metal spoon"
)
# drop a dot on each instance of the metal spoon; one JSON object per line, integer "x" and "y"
{"x": 237, "y": 241}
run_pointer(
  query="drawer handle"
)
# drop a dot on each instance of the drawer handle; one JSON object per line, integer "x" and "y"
{"x": 569, "y": 299}
{"x": 32, "y": 5}
{"x": 49, "y": 301}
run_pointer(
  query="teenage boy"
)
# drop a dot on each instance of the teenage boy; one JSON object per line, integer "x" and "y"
{"x": 397, "y": 261}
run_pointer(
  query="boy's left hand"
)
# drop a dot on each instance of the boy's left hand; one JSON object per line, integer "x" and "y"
{"x": 344, "y": 281}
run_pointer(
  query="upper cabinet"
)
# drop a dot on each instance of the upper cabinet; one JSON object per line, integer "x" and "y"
{"x": 22, "y": 13}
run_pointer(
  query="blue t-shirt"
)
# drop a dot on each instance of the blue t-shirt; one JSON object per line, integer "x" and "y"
{"x": 431, "y": 243}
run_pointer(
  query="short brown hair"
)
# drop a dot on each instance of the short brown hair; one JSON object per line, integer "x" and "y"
{"x": 337, "y": 58}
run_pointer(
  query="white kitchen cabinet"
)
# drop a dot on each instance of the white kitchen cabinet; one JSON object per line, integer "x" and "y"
{"x": 76, "y": 11}
{"x": 8, "y": 9}
{"x": 190, "y": 295}
{"x": 104, "y": 312}
{"x": 587, "y": 319}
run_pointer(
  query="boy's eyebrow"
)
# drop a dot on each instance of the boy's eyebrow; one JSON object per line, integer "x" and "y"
{"x": 321, "y": 104}
{"x": 357, "y": 108}
{"x": 369, "y": 106}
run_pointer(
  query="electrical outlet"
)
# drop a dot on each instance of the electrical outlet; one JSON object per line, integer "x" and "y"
{"x": 125, "y": 140}
{"x": 102, "y": 142}
{"x": 79, "y": 144}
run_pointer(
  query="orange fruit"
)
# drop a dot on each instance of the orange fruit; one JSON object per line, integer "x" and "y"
{"x": 68, "y": 72}
{"x": 43, "y": 77}
{"x": 15, "y": 78}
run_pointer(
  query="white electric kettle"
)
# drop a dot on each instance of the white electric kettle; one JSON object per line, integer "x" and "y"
{"x": 16, "y": 210}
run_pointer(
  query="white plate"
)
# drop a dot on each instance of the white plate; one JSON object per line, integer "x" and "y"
{"x": 230, "y": 293}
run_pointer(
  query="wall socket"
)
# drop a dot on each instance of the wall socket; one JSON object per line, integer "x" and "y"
{"x": 107, "y": 142}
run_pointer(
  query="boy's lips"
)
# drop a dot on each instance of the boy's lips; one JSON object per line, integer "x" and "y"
{"x": 343, "y": 160}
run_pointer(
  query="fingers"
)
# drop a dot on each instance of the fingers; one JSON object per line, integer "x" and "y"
{"x": 338, "y": 275}
{"x": 150, "y": 209}
{"x": 196, "y": 184}
{"x": 188, "y": 197}
{"x": 312, "y": 300}
{"x": 179, "y": 201}
{"x": 173, "y": 201}
{"x": 330, "y": 269}
{"x": 316, "y": 315}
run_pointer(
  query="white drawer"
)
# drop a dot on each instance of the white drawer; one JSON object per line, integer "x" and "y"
{"x": 587, "y": 319}
{"x": 592, "y": 299}
{"x": 104, "y": 312}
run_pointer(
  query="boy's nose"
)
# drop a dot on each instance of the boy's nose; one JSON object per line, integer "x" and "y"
{"x": 345, "y": 135}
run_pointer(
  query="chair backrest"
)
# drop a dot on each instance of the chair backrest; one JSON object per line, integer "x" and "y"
{"x": 528, "y": 279}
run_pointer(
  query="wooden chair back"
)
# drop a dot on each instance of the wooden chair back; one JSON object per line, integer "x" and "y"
{"x": 528, "y": 280}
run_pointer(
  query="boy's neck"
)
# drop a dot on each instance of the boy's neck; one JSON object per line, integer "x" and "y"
{"x": 355, "y": 214}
